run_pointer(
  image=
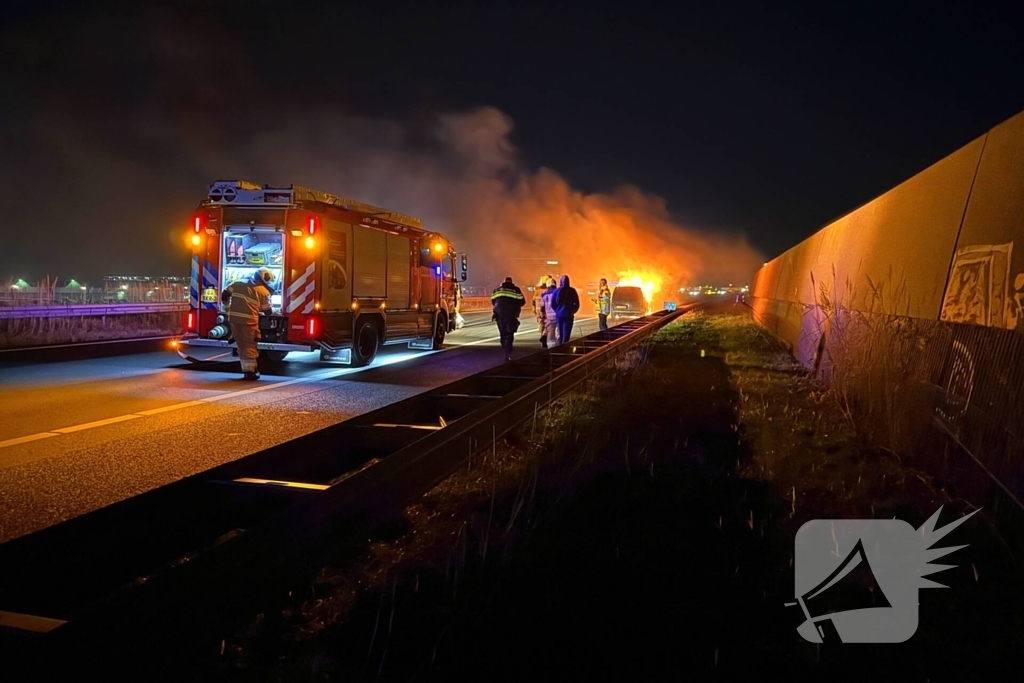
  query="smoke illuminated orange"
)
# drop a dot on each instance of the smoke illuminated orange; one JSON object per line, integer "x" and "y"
{"x": 510, "y": 219}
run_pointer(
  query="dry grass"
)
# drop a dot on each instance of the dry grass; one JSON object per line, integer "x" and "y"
{"x": 799, "y": 430}
{"x": 643, "y": 527}
{"x": 28, "y": 332}
{"x": 874, "y": 360}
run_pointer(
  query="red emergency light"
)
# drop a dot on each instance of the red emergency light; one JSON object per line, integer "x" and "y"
{"x": 190, "y": 321}
{"x": 312, "y": 327}
{"x": 198, "y": 224}
{"x": 314, "y": 225}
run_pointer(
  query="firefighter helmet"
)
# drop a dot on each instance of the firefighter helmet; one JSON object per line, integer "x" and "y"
{"x": 263, "y": 276}
{"x": 551, "y": 283}
{"x": 545, "y": 281}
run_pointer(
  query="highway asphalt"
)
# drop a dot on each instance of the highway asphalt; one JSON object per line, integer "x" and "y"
{"x": 79, "y": 435}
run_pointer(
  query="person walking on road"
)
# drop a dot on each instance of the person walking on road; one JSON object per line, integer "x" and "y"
{"x": 567, "y": 304}
{"x": 245, "y": 302}
{"x": 604, "y": 304}
{"x": 548, "y": 318}
{"x": 507, "y": 301}
{"x": 538, "y": 310}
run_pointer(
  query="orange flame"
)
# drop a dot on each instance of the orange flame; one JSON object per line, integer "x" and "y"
{"x": 649, "y": 283}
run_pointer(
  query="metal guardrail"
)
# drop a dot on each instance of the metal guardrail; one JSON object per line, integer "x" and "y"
{"x": 184, "y": 563}
{"x": 474, "y": 303}
{"x": 89, "y": 310}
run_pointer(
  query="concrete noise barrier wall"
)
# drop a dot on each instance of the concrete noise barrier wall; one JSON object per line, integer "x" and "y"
{"x": 912, "y": 306}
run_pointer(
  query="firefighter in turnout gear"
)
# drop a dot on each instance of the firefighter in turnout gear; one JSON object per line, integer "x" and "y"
{"x": 547, "y": 308}
{"x": 604, "y": 304}
{"x": 538, "y": 308}
{"x": 245, "y": 302}
{"x": 507, "y": 301}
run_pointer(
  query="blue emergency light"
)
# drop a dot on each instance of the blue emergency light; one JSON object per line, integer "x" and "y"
{"x": 437, "y": 270}
{"x": 670, "y": 305}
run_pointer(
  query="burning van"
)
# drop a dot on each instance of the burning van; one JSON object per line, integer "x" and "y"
{"x": 628, "y": 302}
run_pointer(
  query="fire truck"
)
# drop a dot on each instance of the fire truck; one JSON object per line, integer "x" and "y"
{"x": 349, "y": 277}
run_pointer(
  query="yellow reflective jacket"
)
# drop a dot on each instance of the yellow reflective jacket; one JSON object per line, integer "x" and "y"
{"x": 244, "y": 301}
{"x": 604, "y": 301}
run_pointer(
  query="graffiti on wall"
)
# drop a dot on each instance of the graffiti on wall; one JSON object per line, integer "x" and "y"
{"x": 978, "y": 287}
{"x": 959, "y": 384}
{"x": 1015, "y": 304}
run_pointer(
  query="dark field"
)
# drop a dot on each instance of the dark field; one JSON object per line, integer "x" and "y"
{"x": 644, "y": 528}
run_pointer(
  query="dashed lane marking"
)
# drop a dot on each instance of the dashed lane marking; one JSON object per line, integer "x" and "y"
{"x": 232, "y": 394}
{"x": 186, "y": 404}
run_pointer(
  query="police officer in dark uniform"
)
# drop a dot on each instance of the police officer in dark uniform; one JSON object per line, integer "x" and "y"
{"x": 507, "y": 301}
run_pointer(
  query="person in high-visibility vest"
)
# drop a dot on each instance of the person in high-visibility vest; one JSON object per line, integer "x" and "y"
{"x": 604, "y": 304}
{"x": 245, "y": 301}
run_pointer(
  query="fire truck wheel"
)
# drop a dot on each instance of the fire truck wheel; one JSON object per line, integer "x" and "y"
{"x": 274, "y": 356}
{"x": 440, "y": 330}
{"x": 364, "y": 346}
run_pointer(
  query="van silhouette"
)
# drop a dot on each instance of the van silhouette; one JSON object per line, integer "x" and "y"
{"x": 628, "y": 302}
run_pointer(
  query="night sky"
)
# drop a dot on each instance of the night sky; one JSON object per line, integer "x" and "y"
{"x": 767, "y": 124}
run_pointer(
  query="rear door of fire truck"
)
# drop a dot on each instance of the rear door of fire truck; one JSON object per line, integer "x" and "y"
{"x": 253, "y": 238}
{"x": 204, "y": 285}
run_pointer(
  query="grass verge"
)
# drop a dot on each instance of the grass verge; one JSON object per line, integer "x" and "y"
{"x": 642, "y": 527}
{"x": 29, "y": 332}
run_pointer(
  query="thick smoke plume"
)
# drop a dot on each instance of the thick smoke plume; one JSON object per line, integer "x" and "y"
{"x": 462, "y": 176}
{"x": 99, "y": 185}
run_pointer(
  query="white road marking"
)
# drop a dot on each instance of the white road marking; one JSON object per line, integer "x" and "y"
{"x": 330, "y": 374}
{"x": 289, "y": 484}
{"x": 166, "y": 409}
{"x": 97, "y": 423}
{"x": 29, "y": 622}
{"x": 26, "y": 439}
{"x": 521, "y": 332}
{"x": 210, "y": 399}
